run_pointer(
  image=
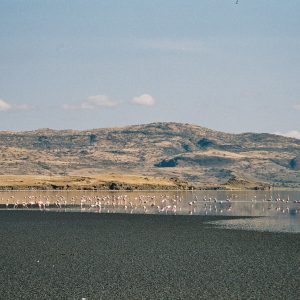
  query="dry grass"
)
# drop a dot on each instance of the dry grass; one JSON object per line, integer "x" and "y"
{"x": 83, "y": 182}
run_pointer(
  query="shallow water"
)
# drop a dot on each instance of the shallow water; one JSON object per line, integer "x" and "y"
{"x": 271, "y": 224}
{"x": 277, "y": 210}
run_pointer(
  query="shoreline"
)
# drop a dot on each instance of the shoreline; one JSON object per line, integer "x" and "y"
{"x": 113, "y": 182}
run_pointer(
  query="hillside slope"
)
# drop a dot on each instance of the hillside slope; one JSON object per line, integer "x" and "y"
{"x": 192, "y": 153}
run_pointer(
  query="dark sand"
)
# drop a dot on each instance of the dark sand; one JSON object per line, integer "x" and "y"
{"x": 117, "y": 256}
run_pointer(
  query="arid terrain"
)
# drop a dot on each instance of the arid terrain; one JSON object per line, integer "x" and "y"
{"x": 157, "y": 155}
{"x": 102, "y": 182}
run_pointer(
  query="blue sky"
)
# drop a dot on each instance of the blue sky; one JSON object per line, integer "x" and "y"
{"x": 91, "y": 64}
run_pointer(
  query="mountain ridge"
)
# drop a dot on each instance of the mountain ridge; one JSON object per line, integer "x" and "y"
{"x": 191, "y": 153}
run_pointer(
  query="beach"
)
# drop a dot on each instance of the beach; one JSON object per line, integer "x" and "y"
{"x": 57, "y": 255}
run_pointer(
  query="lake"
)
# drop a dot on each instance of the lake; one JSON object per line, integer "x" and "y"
{"x": 273, "y": 210}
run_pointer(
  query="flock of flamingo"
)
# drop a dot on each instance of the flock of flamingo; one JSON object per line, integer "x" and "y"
{"x": 168, "y": 203}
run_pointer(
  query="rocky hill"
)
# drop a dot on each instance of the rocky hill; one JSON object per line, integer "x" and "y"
{"x": 190, "y": 153}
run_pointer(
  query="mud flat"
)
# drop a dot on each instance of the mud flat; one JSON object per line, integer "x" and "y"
{"x": 56, "y": 255}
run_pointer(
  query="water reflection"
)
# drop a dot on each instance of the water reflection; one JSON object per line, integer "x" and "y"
{"x": 279, "y": 207}
{"x": 273, "y": 224}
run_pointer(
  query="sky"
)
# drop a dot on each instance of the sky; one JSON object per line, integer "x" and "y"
{"x": 92, "y": 64}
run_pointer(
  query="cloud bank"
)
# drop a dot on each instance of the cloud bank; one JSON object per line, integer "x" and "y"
{"x": 92, "y": 102}
{"x": 145, "y": 99}
{"x": 293, "y": 134}
{"x": 97, "y": 101}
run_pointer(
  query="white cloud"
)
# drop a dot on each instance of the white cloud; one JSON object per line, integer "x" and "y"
{"x": 100, "y": 100}
{"x": 6, "y": 106}
{"x": 178, "y": 45}
{"x": 92, "y": 102}
{"x": 145, "y": 99}
{"x": 297, "y": 106}
{"x": 22, "y": 107}
{"x": 293, "y": 134}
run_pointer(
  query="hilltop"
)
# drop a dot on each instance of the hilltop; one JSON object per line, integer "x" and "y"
{"x": 183, "y": 152}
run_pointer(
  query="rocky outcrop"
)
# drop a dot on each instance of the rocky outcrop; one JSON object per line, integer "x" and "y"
{"x": 295, "y": 163}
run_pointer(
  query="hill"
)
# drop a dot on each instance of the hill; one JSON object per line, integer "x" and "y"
{"x": 198, "y": 155}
